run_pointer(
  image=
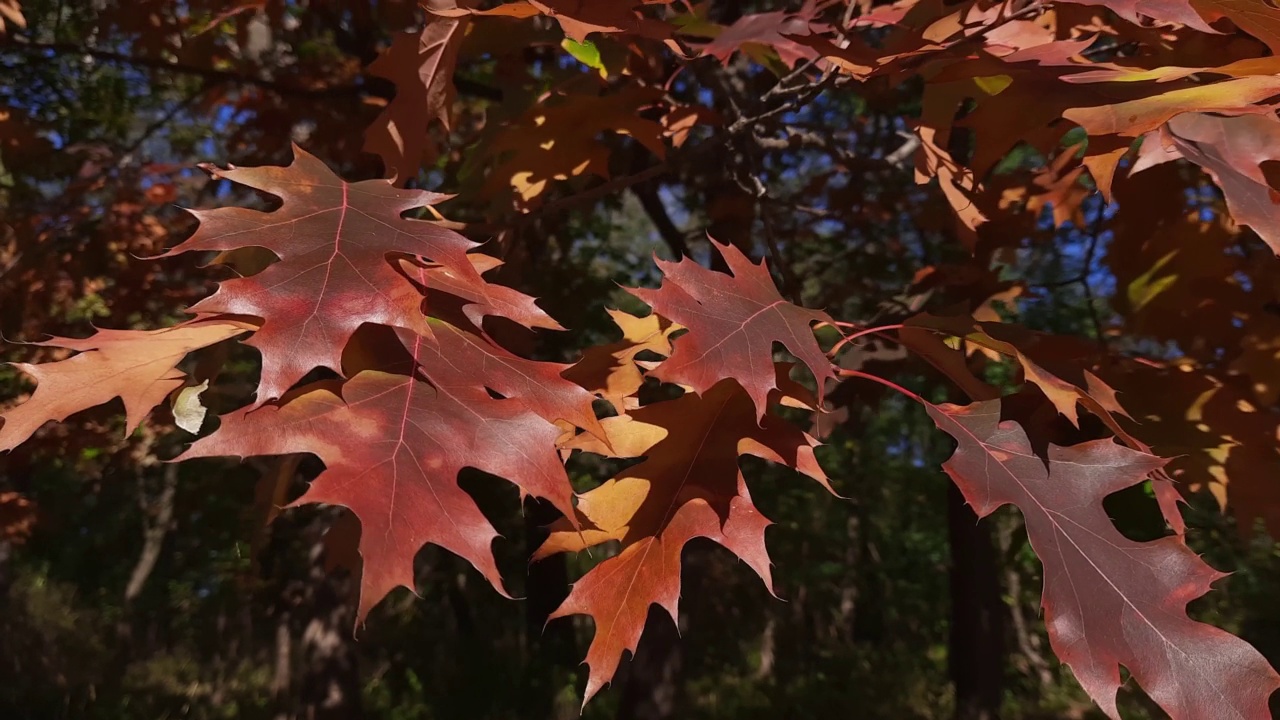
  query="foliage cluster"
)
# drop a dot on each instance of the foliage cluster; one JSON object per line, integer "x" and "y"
{"x": 1045, "y": 230}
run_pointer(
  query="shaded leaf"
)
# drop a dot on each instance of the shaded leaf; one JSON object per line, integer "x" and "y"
{"x": 421, "y": 65}
{"x": 688, "y": 486}
{"x": 1232, "y": 150}
{"x": 611, "y": 371}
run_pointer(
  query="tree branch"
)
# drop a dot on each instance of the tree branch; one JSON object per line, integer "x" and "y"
{"x": 214, "y": 75}
{"x": 662, "y": 222}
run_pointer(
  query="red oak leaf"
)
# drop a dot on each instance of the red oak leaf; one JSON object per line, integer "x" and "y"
{"x": 733, "y": 321}
{"x": 454, "y": 358}
{"x": 1133, "y": 118}
{"x": 484, "y": 299}
{"x": 1108, "y": 601}
{"x": 688, "y": 486}
{"x": 333, "y": 239}
{"x": 392, "y": 446}
{"x": 137, "y": 366}
{"x": 1261, "y": 21}
{"x": 421, "y": 66}
{"x": 577, "y": 18}
{"x": 611, "y": 371}
{"x": 771, "y": 30}
{"x": 1258, "y": 19}
{"x": 1060, "y": 367}
{"x": 1162, "y": 11}
{"x": 1232, "y": 150}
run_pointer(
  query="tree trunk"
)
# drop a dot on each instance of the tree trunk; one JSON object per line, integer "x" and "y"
{"x": 976, "y": 653}
{"x": 282, "y": 678}
{"x": 550, "y": 650}
{"x": 153, "y": 535}
{"x": 652, "y": 684}
{"x": 330, "y": 682}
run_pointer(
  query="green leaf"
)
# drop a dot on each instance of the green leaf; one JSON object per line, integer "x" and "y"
{"x": 586, "y": 53}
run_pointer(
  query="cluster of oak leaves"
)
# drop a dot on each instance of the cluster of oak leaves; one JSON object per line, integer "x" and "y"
{"x": 409, "y": 416}
{"x": 429, "y": 392}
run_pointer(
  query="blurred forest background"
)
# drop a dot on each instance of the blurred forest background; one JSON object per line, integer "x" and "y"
{"x": 131, "y": 588}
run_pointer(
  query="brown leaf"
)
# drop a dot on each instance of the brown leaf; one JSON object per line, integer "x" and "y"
{"x": 1218, "y": 440}
{"x": 1141, "y": 12}
{"x": 610, "y": 371}
{"x": 1259, "y": 20}
{"x": 421, "y": 65}
{"x": 1133, "y": 118}
{"x": 770, "y": 31}
{"x": 558, "y": 139}
{"x": 577, "y": 18}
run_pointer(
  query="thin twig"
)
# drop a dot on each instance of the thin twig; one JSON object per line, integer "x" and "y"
{"x": 126, "y": 156}
{"x": 899, "y": 157}
{"x": 1088, "y": 267}
{"x": 790, "y": 283}
{"x": 597, "y": 192}
{"x": 652, "y": 204}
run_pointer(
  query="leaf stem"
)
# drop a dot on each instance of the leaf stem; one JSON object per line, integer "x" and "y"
{"x": 867, "y": 331}
{"x": 843, "y": 372}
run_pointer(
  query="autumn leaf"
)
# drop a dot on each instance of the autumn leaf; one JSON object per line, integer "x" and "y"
{"x": 558, "y": 139}
{"x": 1058, "y": 366}
{"x": 1218, "y": 440}
{"x": 11, "y": 11}
{"x": 958, "y": 184}
{"x": 682, "y": 490}
{"x": 1108, "y": 601}
{"x": 1262, "y": 22}
{"x": 769, "y": 31}
{"x": 454, "y": 358}
{"x": 733, "y": 321}
{"x": 578, "y": 19}
{"x": 393, "y": 446}
{"x": 333, "y": 240}
{"x": 1141, "y": 12}
{"x": 1258, "y": 20}
{"x": 462, "y": 355}
{"x": 612, "y": 371}
{"x": 481, "y": 299}
{"x": 137, "y": 366}
{"x": 1132, "y": 118}
{"x": 421, "y": 65}
{"x": 1232, "y": 150}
